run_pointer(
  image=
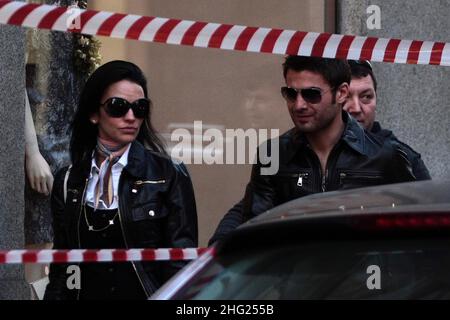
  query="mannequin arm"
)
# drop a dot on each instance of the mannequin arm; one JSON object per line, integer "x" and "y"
{"x": 37, "y": 169}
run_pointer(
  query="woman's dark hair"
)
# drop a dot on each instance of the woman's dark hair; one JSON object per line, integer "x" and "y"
{"x": 84, "y": 133}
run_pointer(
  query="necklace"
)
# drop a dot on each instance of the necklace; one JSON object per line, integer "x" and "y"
{"x": 91, "y": 227}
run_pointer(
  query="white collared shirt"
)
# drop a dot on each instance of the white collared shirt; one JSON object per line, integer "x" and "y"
{"x": 115, "y": 173}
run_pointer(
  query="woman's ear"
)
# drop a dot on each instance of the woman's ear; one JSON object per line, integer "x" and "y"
{"x": 94, "y": 118}
{"x": 342, "y": 93}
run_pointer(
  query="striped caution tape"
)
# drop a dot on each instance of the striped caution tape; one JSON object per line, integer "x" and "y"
{"x": 103, "y": 255}
{"x": 223, "y": 36}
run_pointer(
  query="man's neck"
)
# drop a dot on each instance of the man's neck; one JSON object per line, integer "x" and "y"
{"x": 323, "y": 141}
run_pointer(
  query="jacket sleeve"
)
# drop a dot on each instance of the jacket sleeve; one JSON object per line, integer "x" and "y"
{"x": 260, "y": 194}
{"x": 402, "y": 170}
{"x": 57, "y": 287}
{"x": 419, "y": 169}
{"x": 232, "y": 219}
{"x": 182, "y": 226}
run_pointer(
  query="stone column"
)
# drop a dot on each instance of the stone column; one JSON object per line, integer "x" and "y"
{"x": 12, "y": 117}
{"x": 413, "y": 101}
{"x": 53, "y": 87}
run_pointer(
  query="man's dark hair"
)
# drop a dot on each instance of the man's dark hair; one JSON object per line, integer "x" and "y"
{"x": 361, "y": 69}
{"x": 334, "y": 71}
{"x": 84, "y": 133}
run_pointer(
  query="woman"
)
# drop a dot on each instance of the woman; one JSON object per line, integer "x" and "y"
{"x": 122, "y": 191}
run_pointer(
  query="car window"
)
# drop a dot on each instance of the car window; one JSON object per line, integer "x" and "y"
{"x": 394, "y": 269}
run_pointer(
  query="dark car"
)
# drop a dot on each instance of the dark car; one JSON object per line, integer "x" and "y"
{"x": 385, "y": 242}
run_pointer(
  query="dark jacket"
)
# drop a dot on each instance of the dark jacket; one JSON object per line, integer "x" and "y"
{"x": 359, "y": 159}
{"x": 149, "y": 182}
{"x": 419, "y": 169}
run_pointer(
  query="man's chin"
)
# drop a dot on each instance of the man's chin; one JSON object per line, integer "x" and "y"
{"x": 306, "y": 128}
{"x": 363, "y": 124}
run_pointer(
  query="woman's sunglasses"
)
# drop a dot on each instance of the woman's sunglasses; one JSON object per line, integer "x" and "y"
{"x": 310, "y": 95}
{"x": 118, "y": 107}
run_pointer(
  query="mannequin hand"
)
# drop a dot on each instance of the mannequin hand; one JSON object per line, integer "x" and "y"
{"x": 39, "y": 173}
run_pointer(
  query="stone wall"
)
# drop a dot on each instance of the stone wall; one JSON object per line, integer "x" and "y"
{"x": 12, "y": 117}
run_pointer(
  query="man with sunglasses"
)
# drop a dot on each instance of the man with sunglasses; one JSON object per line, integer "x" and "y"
{"x": 362, "y": 103}
{"x": 326, "y": 150}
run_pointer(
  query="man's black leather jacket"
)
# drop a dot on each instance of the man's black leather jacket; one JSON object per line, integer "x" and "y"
{"x": 359, "y": 159}
{"x": 419, "y": 168}
{"x": 150, "y": 182}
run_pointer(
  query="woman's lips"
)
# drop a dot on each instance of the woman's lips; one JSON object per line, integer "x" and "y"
{"x": 130, "y": 130}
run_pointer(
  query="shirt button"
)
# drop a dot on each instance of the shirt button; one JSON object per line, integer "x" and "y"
{"x": 113, "y": 289}
{"x": 151, "y": 213}
{"x": 104, "y": 235}
{"x": 111, "y": 269}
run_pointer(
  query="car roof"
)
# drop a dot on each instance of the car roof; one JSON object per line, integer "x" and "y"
{"x": 351, "y": 214}
{"x": 431, "y": 196}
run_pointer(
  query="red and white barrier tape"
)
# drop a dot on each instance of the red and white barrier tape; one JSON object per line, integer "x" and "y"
{"x": 104, "y": 255}
{"x": 224, "y": 36}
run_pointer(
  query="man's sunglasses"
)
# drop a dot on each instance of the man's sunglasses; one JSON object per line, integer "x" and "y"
{"x": 310, "y": 95}
{"x": 118, "y": 107}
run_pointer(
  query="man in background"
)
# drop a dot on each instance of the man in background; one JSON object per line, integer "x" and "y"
{"x": 362, "y": 104}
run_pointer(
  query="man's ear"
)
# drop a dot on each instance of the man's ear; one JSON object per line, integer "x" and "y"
{"x": 342, "y": 93}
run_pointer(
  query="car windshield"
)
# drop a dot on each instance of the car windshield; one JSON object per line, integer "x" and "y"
{"x": 416, "y": 269}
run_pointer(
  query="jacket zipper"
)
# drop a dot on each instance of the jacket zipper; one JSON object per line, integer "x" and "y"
{"x": 132, "y": 262}
{"x": 78, "y": 229}
{"x": 324, "y": 181}
{"x": 360, "y": 176}
{"x": 331, "y": 162}
{"x": 301, "y": 176}
{"x": 140, "y": 182}
{"x": 314, "y": 162}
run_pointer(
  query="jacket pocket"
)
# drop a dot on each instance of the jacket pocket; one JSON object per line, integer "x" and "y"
{"x": 294, "y": 184}
{"x": 360, "y": 178}
{"x": 145, "y": 192}
{"x": 152, "y": 210}
{"x": 148, "y": 222}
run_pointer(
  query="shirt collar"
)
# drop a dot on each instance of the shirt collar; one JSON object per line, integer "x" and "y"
{"x": 123, "y": 161}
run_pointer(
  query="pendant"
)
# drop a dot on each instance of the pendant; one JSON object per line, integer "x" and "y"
{"x": 111, "y": 222}
{"x": 91, "y": 228}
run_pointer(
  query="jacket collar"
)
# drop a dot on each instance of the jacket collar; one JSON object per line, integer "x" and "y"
{"x": 136, "y": 160}
{"x": 353, "y": 135}
{"x": 376, "y": 127}
{"x": 379, "y": 131}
